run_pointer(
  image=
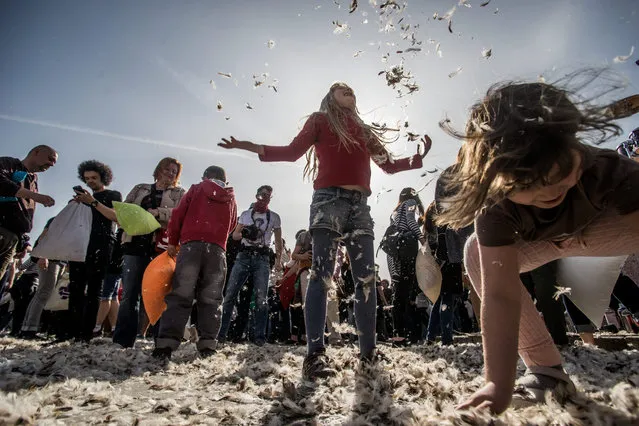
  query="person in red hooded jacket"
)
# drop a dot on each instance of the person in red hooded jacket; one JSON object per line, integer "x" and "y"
{"x": 200, "y": 223}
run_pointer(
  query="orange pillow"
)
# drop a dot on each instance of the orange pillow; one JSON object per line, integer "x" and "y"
{"x": 156, "y": 284}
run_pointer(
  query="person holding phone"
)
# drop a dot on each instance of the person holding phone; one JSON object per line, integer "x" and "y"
{"x": 85, "y": 278}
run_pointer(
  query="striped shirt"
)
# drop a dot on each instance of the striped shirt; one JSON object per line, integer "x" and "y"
{"x": 404, "y": 218}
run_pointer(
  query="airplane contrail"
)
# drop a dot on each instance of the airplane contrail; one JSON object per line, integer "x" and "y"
{"x": 103, "y": 133}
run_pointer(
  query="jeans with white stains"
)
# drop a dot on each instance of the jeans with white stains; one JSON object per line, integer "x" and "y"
{"x": 248, "y": 265}
{"x": 341, "y": 215}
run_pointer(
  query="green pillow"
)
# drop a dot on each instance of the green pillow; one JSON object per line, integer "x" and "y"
{"x": 134, "y": 219}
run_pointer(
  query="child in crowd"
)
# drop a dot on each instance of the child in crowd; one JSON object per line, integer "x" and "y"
{"x": 201, "y": 223}
{"x": 536, "y": 193}
{"x": 340, "y": 148}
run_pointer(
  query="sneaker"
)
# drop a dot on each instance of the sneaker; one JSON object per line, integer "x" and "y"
{"x": 163, "y": 354}
{"x": 315, "y": 366}
{"x": 207, "y": 352}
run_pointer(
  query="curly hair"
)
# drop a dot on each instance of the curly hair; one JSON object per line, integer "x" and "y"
{"x": 105, "y": 172}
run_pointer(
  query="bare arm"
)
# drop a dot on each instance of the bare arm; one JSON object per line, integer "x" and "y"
{"x": 237, "y": 232}
{"x": 500, "y": 314}
{"x": 105, "y": 211}
{"x": 45, "y": 200}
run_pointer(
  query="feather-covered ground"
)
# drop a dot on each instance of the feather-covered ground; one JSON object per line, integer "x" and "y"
{"x": 101, "y": 383}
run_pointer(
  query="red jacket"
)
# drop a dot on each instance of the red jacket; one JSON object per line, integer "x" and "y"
{"x": 337, "y": 166}
{"x": 207, "y": 212}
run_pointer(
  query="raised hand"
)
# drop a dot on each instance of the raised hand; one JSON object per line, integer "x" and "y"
{"x": 427, "y": 144}
{"x": 230, "y": 144}
{"x": 245, "y": 145}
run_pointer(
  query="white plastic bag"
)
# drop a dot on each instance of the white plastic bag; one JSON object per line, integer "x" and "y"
{"x": 429, "y": 274}
{"x": 591, "y": 281}
{"x": 68, "y": 235}
{"x": 59, "y": 299}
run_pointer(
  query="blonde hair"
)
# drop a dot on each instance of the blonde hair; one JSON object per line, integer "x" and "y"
{"x": 336, "y": 116}
{"x": 513, "y": 139}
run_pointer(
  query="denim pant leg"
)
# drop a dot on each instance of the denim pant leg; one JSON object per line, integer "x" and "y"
{"x": 361, "y": 251}
{"x": 179, "y": 302}
{"x": 446, "y": 317}
{"x": 324, "y": 247}
{"x": 126, "y": 326}
{"x": 434, "y": 322}
{"x": 239, "y": 275}
{"x": 209, "y": 296}
{"x": 48, "y": 280}
{"x": 261, "y": 272}
{"x": 8, "y": 244}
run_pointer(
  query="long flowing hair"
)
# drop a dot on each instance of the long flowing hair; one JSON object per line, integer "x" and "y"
{"x": 337, "y": 117}
{"x": 515, "y": 136}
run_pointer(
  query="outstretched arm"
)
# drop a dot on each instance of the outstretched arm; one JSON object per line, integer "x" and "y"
{"x": 245, "y": 145}
{"x": 291, "y": 152}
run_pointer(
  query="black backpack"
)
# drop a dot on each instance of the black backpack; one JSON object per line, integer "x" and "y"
{"x": 396, "y": 243}
{"x": 391, "y": 241}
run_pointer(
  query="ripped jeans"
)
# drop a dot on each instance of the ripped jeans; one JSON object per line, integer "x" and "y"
{"x": 339, "y": 215}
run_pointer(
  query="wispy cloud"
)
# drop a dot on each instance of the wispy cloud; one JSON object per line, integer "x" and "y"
{"x": 120, "y": 136}
{"x": 198, "y": 88}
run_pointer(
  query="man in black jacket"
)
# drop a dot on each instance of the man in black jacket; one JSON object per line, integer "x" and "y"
{"x": 18, "y": 197}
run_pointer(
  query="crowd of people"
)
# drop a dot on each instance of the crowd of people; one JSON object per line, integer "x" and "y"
{"x": 524, "y": 192}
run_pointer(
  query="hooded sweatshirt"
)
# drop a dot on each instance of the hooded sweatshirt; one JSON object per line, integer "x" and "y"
{"x": 207, "y": 213}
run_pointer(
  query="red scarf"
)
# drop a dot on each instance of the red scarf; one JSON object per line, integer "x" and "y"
{"x": 261, "y": 206}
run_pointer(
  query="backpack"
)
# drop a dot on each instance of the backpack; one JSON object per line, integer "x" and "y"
{"x": 391, "y": 241}
{"x": 396, "y": 243}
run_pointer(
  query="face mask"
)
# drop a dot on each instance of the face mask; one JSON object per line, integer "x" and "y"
{"x": 261, "y": 205}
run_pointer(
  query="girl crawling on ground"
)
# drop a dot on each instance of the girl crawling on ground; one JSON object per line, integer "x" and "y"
{"x": 536, "y": 192}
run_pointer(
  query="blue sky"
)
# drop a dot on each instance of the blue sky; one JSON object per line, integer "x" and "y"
{"x": 128, "y": 83}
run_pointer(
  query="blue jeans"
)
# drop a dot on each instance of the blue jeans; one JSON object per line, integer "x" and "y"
{"x": 126, "y": 327}
{"x": 110, "y": 287}
{"x": 256, "y": 266}
{"x": 339, "y": 214}
{"x": 441, "y": 319}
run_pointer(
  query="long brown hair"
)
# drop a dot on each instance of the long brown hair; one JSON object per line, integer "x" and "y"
{"x": 337, "y": 116}
{"x": 513, "y": 139}
{"x": 166, "y": 162}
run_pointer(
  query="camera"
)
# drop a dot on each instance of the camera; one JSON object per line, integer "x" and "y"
{"x": 251, "y": 232}
{"x": 79, "y": 189}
